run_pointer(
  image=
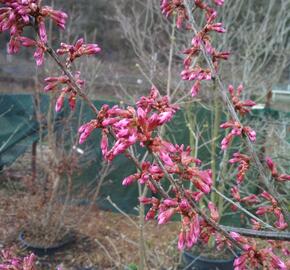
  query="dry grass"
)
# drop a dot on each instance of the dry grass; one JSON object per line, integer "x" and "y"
{"x": 105, "y": 240}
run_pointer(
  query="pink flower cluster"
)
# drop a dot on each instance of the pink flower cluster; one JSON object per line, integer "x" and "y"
{"x": 190, "y": 231}
{"x": 15, "y": 15}
{"x": 130, "y": 125}
{"x": 244, "y": 165}
{"x": 149, "y": 172}
{"x": 281, "y": 177}
{"x": 177, "y": 7}
{"x": 249, "y": 200}
{"x": 192, "y": 226}
{"x": 38, "y": 44}
{"x": 178, "y": 161}
{"x": 202, "y": 39}
{"x": 253, "y": 256}
{"x": 73, "y": 52}
{"x": 165, "y": 209}
{"x": 168, "y": 7}
{"x": 240, "y": 106}
{"x": 236, "y": 130}
{"x": 78, "y": 50}
{"x": 67, "y": 89}
{"x": 273, "y": 208}
{"x": 8, "y": 261}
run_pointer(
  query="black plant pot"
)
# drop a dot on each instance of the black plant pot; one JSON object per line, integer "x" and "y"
{"x": 46, "y": 250}
{"x": 200, "y": 263}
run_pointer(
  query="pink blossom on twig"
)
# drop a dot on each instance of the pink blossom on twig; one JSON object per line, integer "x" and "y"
{"x": 78, "y": 50}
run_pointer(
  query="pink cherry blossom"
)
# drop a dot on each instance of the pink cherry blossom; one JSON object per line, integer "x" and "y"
{"x": 15, "y": 16}
{"x": 236, "y": 130}
{"x": 243, "y": 107}
{"x": 57, "y": 16}
{"x": 181, "y": 240}
{"x": 166, "y": 215}
{"x": 53, "y": 83}
{"x": 78, "y": 49}
{"x": 213, "y": 211}
{"x": 219, "y": 2}
{"x": 59, "y": 102}
{"x": 244, "y": 165}
{"x": 218, "y": 27}
{"x": 168, "y": 7}
{"x": 40, "y": 48}
{"x": 273, "y": 168}
{"x": 86, "y": 129}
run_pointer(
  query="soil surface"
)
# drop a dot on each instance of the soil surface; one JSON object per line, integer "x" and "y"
{"x": 104, "y": 240}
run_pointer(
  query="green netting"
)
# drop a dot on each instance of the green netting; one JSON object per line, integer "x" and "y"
{"x": 19, "y": 129}
{"x": 18, "y": 125}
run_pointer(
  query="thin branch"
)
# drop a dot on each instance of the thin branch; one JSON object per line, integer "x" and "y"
{"x": 122, "y": 212}
{"x": 169, "y": 77}
{"x": 280, "y": 236}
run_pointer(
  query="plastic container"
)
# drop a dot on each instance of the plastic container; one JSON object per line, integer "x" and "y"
{"x": 47, "y": 250}
{"x": 194, "y": 262}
